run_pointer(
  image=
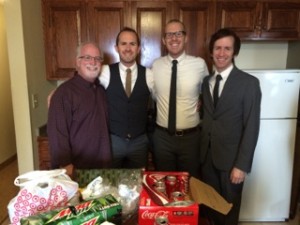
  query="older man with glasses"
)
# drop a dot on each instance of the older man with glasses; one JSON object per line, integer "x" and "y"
{"x": 78, "y": 119}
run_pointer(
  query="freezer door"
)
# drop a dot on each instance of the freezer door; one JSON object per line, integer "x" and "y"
{"x": 280, "y": 92}
{"x": 267, "y": 189}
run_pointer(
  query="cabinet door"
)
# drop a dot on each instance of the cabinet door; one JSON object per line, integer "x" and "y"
{"x": 198, "y": 19}
{"x": 106, "y": 19}
{"x": 64, "y": 28}
{"x": 244, "y": 18}
{"x": 149, "y": 19}
{"x": 281, "y": 21}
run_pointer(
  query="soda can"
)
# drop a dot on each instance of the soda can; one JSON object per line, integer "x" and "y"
{"x": 161, "y": 220}
{"x": 171, "y": 184}
{"x": 183, "y": 183}
{"x": 177, "y": 196}
{"x": 160, "y": 186}
{"x": 180, "y": 203}
{"x": 160, "y": 183}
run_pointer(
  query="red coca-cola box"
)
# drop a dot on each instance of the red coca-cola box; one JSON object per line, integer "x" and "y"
{"x": 157, "y": 208}
{"x": 151, "y": 214}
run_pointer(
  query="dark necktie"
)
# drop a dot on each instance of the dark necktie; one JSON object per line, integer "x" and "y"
{"x": 216, "y": 89}
{"x": 172, "y": 100}
{"x": 128, "y": 82}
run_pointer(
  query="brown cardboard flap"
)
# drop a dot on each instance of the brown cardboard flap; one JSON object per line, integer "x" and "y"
{"x": 204, "y": 194}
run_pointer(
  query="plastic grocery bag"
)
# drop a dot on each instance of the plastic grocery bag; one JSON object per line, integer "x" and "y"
{"x": 40, "y": 191}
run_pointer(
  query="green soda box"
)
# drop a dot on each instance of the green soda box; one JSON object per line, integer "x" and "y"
{"x": 93, "y": 212}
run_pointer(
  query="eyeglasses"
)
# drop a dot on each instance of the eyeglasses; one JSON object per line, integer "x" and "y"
{"x": 88, "y": 58}
{"x": 178, "y": 34}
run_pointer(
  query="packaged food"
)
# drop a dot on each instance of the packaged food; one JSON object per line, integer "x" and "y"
{"x": 94, "y": 212}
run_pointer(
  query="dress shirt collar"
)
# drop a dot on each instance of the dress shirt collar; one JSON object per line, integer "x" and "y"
{"x": 179, "y": 59}
{"x": 123, "y": 68}
{"x": 224, "y": 73}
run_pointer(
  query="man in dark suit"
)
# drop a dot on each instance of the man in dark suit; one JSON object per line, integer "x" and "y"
{"x": 230, "y": 125}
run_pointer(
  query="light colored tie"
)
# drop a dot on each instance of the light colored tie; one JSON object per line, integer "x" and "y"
{"x": 128, "y": 82}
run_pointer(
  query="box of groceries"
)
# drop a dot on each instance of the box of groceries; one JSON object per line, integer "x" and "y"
{"x": 174, "y": 198}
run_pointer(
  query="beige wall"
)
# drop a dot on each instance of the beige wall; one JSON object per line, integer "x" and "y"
{"x": 7, "y": 130}
{"x": 263, "y": 55}
{"x": 27, "y": 70}
{"x": 293, "y": 60}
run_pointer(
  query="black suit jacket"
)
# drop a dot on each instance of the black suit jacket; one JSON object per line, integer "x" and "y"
{"x": 231, "y": 129}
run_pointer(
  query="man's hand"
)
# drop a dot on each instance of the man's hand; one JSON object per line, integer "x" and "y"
{"x": 237, "y": 176}
{"x": 70, "y": 170}
{"x": 49, "y": 98}
{"x": 199, "y": 104}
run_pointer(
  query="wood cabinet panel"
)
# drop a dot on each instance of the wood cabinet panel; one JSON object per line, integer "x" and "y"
{"x": 149, "y": 18}
{"x": 281, "y": 21}
{"x": 198, "y": 19}
{"x": 105, "y": 19}
{"x": 243, "y": 17}
{"x": 260, "y": 20}
{"x": 64, "y": 28}
{"x": 44, "y": 155}
{"x": 69, "y": 22}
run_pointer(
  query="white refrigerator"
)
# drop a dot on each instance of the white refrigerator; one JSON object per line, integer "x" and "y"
{"x": 267, "y": 189}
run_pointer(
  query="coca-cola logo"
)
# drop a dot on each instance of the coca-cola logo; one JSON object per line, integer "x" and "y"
{"x": 148, "y": 215}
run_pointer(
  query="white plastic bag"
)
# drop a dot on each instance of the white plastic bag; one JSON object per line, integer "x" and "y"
{"x": 40, "y": 191}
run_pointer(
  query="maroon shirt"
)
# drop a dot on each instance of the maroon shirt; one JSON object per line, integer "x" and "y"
{"x": 78, "y": 125}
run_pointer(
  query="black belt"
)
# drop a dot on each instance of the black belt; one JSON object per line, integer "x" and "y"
{"x": 128, "y": 136}
{"x": 179, "y": 132}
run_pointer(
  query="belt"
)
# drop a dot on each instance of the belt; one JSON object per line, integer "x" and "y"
{"x": 179, "y": 132}
{"x": 128, "y": 136}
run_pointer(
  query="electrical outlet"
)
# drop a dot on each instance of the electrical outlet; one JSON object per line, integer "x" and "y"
{"x": 34, "y": 100}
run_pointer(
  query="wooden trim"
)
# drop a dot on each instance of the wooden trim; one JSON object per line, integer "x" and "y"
{"x": 8, "y": 161}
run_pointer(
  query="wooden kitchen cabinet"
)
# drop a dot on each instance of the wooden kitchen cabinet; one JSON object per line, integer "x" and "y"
{"x": 105, "y": 19}
{"x": 149, "y": 18}
{"x": 64, "y": 28}
{"x": 44, "y": 155}
{"x": 67, "y": 23}
{"x": 281, "y": 21}
{"x": 260, "y": 20}
{"x": 70, "y": 22}
{"x": 199, "y": 22}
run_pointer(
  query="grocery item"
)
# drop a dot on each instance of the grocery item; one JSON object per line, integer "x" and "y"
{"x": 93, "y": 212}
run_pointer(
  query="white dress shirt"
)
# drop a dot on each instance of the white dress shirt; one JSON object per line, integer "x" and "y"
{"x": 190, "y": 73}
{"x": 224, "y": 76}
{"x": 105, "y": 76}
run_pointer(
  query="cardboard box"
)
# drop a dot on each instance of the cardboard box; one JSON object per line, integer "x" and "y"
{"x": 200, "y": 193}
{"x": 149, "y": 211}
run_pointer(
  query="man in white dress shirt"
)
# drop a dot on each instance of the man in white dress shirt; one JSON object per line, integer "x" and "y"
{"x": 178, "y": 150}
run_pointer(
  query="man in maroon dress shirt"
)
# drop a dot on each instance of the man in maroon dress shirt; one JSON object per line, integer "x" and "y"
{"x": 77, "y": 120}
